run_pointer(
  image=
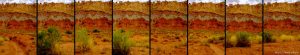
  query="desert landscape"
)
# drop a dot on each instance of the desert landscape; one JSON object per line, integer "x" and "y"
{"x": 206, "y": 28}
{"x": 156, "y": 27}
{"x": 244, "y": 29}
{"x": 93, "y": 28}
{"x": 131, "y": 28}
{"x": 17, "y": 29}
{"x": 168, "y": 27}
{"x": 55, "y": 28}
{"x": 282, "y": 25}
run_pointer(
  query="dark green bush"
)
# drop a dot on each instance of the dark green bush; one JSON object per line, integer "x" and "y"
{"x": 47, "y": 40}
{"x": 68, "y": 32}
{"x": 243, "y": 39}
{"x": 267, "y": 37}
{"x": 96, "y": 31}
{"x": 83, "y": 40}
{"x": 121, "y": 42}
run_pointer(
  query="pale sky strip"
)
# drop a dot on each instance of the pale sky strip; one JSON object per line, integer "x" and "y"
{"x": 169, "y": 0}
{"x": 250, "y": 2}
{"x": 130, "y": 0}
{"x": 17, "y": 1}
{"x": 93, "y": 0}
{"x": 205, "y": 1}
{"x": 55, "y": 1}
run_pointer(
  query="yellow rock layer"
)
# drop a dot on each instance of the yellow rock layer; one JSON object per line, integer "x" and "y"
{"x": 142, "y": 7}
{"x": 18, "y": 8}
{"x": 174, "y": 6}
{"x": 105, "y": 7}
{"x": 254, "y": 10}
{"x": 217, "y": 8}
{"x": 57, "y": 7}
{"x": 292, "y": 8}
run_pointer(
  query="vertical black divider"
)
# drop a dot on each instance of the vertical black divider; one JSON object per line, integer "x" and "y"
{"x": 263, "y": 40}
{"x": 187, "y": 27}
{"x": 150, "y": 4}
{"x": 74, "y": 26}
{"x": 225, "y": 28}
{"x": 112, "y": 28}
{"x": 37, "y": 23}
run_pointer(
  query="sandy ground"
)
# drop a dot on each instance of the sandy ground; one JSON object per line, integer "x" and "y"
{"x": 282, "y": 48}
{"x": 101, "y": 44}
{"x": 17, "y": 44}
{"x": 168, "y": 43}
{"x": 198, "y": 44}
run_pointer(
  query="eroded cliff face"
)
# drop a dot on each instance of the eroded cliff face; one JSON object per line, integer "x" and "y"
{"x": 173, "y": 23}
{"x": 282, "y": 16}
{"x": 17, "y": 29}
{"x": 56, "y": 19}
{"x": 132, "y": 20}
{"x": 206, "y": 21}
{"x": 17, "y": 21}
{"x": 129, "y": 18}
{"x": 94, "y": 20}
{"x": 281, "y": 21}
{"x": 168, "y": 20}
{"x": 244, "y": 18}
{"x": 139, "y": 23}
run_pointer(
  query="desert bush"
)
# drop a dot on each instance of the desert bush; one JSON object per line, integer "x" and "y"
{"x": 257, "y": 39}
{"x": 121, "y": 42}
{"x": 284, "y": 38}
{"x": 231, "y": 41}
{"x": 267, "y": 37}
{"x": 216, "y": 39}
{"x": 2, "y": 39}
{"x": 68, "y": 32}
{"x": 83, "y": 41}
{"x": 47, "y": 40}
{"x": 96, "y": 31}
{"x": 243, "y": 39}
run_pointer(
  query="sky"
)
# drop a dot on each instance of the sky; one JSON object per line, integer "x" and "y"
{"x": 251, "y": 2}
{"x": 17, "y": 1}
{"x": 169, "y": 0}
{"x": 206, "y": 1}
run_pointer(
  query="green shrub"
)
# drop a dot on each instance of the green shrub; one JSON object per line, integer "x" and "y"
{"x": 267, "y": 37}
{"x": 121, "y": 42}
{"x": 47, "y": 40}
{"x": 83, "y": 40}
{"x": 243, "y": 39}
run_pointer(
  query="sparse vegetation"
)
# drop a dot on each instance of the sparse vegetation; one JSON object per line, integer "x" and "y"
{"x": 96, "y": 31}
{"x": 68, "y": 32}
{"x": 2, "y": 39}
{"x": 231, "y": 41}
{"x": 47, "y": 40}
{"x": 216, "y": 39}
{"x": 83, "y": 40}
{"x": 243, "y": 39}
{"x": 267, "y": 37}
{"x": 284, "y": 38}
{"x": 121, "y": 42}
